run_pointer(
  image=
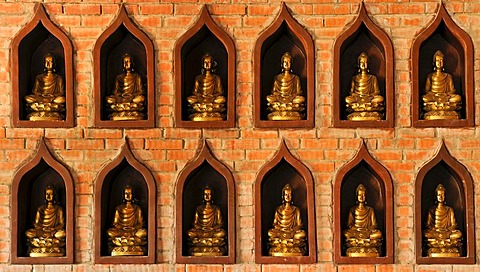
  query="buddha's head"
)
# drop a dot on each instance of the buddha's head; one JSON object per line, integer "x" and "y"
{"x": 361, "y": 193}
{"x": 287, "y": 193}
{"x": 363, "y": 61}
{"x": 208, "y": 63}
{"x": 49, "y": 193}
{"x": 48, "y": 62}
{"x": 440, "y": 193}
{"x": 207, "y": 194}
{"x": 286, "y": 61}
{"x": 438, "y": 59}
{"x": 127, "y": 62}
{"x": 128, "y": 193}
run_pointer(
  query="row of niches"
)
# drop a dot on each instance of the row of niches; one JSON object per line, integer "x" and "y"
{"x": 204, "y": 75}
{"x": 205, "y": 211}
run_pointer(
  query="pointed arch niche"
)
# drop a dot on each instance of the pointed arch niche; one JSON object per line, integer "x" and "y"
{"x": 363, "y": 36}
{"x": 457, "y": 46}
{"x": 204, "y": 36}
{"x": 124, "y": 170}
{"x": 445, "y": 169}
{"x": 284, "y": 35}
{"x": 363, "y": 169}
{"x": 282, "y": 169}
{"x": 39, "y": 37}
{"x": 28, "y": 194}
{"x": 121, "y": 37}
{"x": 204, "y": 170}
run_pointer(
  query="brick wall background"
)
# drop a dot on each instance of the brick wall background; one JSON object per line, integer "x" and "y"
{"x": 165, "y": 149}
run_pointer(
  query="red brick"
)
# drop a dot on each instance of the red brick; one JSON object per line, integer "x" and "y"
{"x": 86, "y": 144}
{"x": 87, "y": 9}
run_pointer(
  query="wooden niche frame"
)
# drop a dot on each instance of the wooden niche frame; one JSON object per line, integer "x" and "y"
{"x": 28, "y": 194}
{"x": 121, "y": 37}
{"x": 204, "y": 170}
{"x": 204, "y": 36}
{"x": 363, "y": 36}
{"x": 285, "y": 34}
{"x": 458, "y": 182}
{"x": 282, "y": 169}
{"x": 39, "y": 37}
{"x": 364, "y": 169}
{"x": 124, "y": 170}
{"x": 457, "y": 46}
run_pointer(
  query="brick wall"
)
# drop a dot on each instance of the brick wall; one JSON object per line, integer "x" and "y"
{"x": 166, "y": 149}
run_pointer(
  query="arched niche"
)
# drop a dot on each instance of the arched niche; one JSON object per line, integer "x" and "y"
{"x": 363, "y": 169}
{"x": 284, "y": 35}
{"x": 202, "y": 171}
{"x": 204, "y": 36}
{"x": 39, "y": 37}
{"x": 121, "y": 37}
{"x": 28, "y": 194}
{"x": 282, "y": 169}
{"x": 457, "y": 46}
{"x": 445, "y": 169}
{"x": 363, "y": 36}
{"x": 124, "y": 170}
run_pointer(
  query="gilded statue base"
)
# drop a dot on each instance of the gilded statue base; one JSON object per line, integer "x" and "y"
{"x": 443, "y": 252}
{"x": 287, "y": 247}
{"x": 441, "y": 115}
{"x": 207, "y": 246}
{"x": 45, "y": 116}
{"x": 284, "y": 116}
{"x": 365, "y": 116}
{"x": 46, "y": 247}
{"x": 207, "y": 116}
{"x": 207, "y": 251}
{"x": 128, "y": 251}
{"x": 127, "y": 116}
{"x": 363, "y": 252}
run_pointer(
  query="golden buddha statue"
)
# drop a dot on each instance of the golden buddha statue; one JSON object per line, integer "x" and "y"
{"x": 207, "y": 237}
{"x": 440, "y": 101}
{"x": 287, "y": 238}
{"x": 207, "y": 102}
{"x": 47, "y": 100}
{"x": 364, "y": 102}
{"x": 442, "y": 237}
{"x": 127, "y": 236}
{"x": 127, "y": 101}
{"x": 47, "y": 237}
{"x": 286, "y": 101}
{"x": 362, "y": 237}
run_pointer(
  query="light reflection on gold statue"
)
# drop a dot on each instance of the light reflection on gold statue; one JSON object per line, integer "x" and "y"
{"x": 47, "y": 237}
{"x": 207, "y": 237}
{"x": 362, "y": 237}
{"x": 287, "y": 238}
{"x": 442, "y": 237}
{"x": 127, "y": 101}
{"x": 364, "y": 102}
{"x": 207, "y": 102}
{"x": 127, "y": 236}
{"x": 47, "y": 100}
{"x": 286, "y": 101}
{"x": 440, "y": 101}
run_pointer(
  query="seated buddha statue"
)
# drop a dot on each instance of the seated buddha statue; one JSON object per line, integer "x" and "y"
{"x": 47, "y": 237}
{"x": 127, "y": 236}
{"x": 442, "y": 238}
{"x": 207, "y": 102}
{"x": 440, "y": 100}
{"x": 364, "y": 102}
{"x": 47, "y": 101}
{"x": 207, "y": 237}
{"x": 127, "y": 101}
{"x": 287, "y": 238}
{"x": 362, "y": 238}
{"x": 286, "y": 101}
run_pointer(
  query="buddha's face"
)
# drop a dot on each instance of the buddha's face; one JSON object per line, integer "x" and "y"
{"x": 439, "y": 62}
{"x": 440, "y": 196}
{"x": 207, "y": 63}
{"x": 127, "y": 63}
{"x": 361, "y": 196}
{"x": 48, "y": 63}
{"x": 207, "y": 195}
{"x": 286, "y": 63}
{"x": 363, "y": 63}
{"x": 287, "y": 195}
{"x": 49, "y": 195}
{"x": 128, "y": 194}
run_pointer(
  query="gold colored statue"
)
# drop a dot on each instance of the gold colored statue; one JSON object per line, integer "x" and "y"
{"x": 442, "y": 237}
{"x": 127, "y": 236}
{"x": 47, "y": 237}
{"x": 364, "y": 102}
{"x": 207, "y": 102}
{"x": 127, "y": 101}
{"x": 362, "y": 237}
{"x": 286, "y": 101}
{"x": 440, "y": 101}
{"x": 287, "y": 238}
{"x": 47, "y": 100}
{"x": 207, "y": 237}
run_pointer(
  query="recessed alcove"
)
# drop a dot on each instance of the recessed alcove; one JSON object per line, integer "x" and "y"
{"x": 284, "y": 169}
{"x": 363, "y": 169}
{"x": 124, "y": 170}
{"x": 285, "y": 34}
{"x": 457, "y": 46}
{"x": 36, "y": 39}
{"x": 123, "y": 37}
{"x": 204, "y": 170}
{"x": 363, "y": 35}
{"x": 445, "y": 169}
{"x": 205, "y": 36}
{"x": 28, "y": 194}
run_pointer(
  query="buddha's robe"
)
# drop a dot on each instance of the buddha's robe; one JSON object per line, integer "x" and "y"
{"x": 362, "y": 223}
{"x": 48, "y": 87}
{"x": 364, "y": 86}
{"x": 441, "y": 220}
{"x": 128, "y": 88}
{"x": 128, "y": 221}
{"x": 49, "y": 222}
{"x": 287, "y": 223}
{"x": 208, "y": 222}
{"x": 207, "y": 89}
{"x": 286, "y": 89}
